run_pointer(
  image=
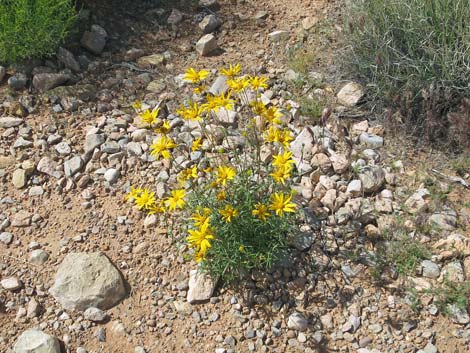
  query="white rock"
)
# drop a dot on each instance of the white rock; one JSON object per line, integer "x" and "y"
{"x": 95, "y": 314}
{"x": 297, "y": 322}
{"x": 36, "y": 341}
{"x": 38, "y": 257}
{"x": 278, "y": 36}
{"x": 209, "y": 24}
{"x": 371, "y": 140}
{"x": 11, "y": 283}
{"x": 86, "y": 280}
{"x": 372, "y": 178}
{"x": 201, "y": 287}
{"x": 350, "y": 94}
{"x": 206, "y": 45}
{"x": 112, "y": 175}
{"x": 354, "y": 188}
{"x": 418, "y": 202}
{"x": 10, "y": 121}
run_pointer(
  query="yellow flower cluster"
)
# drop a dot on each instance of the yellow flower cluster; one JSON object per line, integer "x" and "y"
{"x": 145, "y": 199}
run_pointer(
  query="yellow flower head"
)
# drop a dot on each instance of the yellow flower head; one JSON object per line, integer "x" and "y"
{"x": 281, "y": 203}
{"x": 241, "y": 248}
{"x": 200, "y": 218}
{"x": 194, "y": 76}
{"x": 257, "y": 82}
{"x": 200, "y": 89}
{"x": 221, "y": 195}
{"x": 261, "y": 212}
{"x": 199, "y": 238}
{"x": 225, "y": 173}
{"x": 133, "y": 193}
{"x": 285, "y": 137}
{"x": 176, "y": 200}
{"x": 228, "y": 213}
{"x": 187, "y": 173}
{"x": 258, "y": 107}
{"x": 237, "y": 85}
{"x": 223, "y": 101}
{"x": 164, "y": 128}
{"x": 193, "y": 112}
{"x": 282, "y": 159}
{"x": 150, "y": 117}
{"x": 281, "y": 173}
{"x": 272, "y": 115}
{"x": 157, "y": 207}
{"x": 145, "y": 199}
{"x": 197, "y": 143}
{"x": 231, "y": 71}
{"x": 162, "y": 146}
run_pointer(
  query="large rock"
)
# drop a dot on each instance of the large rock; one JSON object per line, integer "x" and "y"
{"x": 94, "y": 40}
{"x": 206, "y": 45}
{"x": 201, "y": 287}
{"x": 10, "y": 121}
{"x": 68, "y": 59}
{"x": 45, "y": 82}
{"x": 372, "y": 178}
{"x": 86, "y": 280}
{"x": 209, "y": 24}
{"x": 36, "y": 341}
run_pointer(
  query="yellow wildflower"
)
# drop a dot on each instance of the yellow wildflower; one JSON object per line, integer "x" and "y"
{"x": 272, "y": 135}
{"x": 281, "y": 173}
{"x": 283, "y": 159}
{"x": 261, "y": 211}
{"x": 241, "y": 248}
{"x": 194, "y": 76}
{"x": 197, "y": 143}
{"x": 258, "y": 107}
{"x": 162, "y": 146}
{"x": 133, "y": 193}
{"x": 257, "y": 82}
{"x": 201, "y": 218}
{"x": 281, "y": 203}
{"x": 223, "y": 101}
{"x": 237, "y": 85}
{"x": 225, "y": 173}
{"x": 150, "y": 117}
{"x": 228, "y": 213}
{"x": 222, "y": 195}
{"x": 285, "y": 137}
{"x": 200, "y": 89}
{"x": 137, "y": 105}
{"x": 164, "y": 128}
{"x": 157, "y": 207}
{"x": 199, "y": 238}
{"x": 176, "y": 200}
{"x": 145, "y": 199}
{"x": 199, "y": 256}
{"x": 187, "y": 173}
{"x": 193, "y": 112}
{"x": 272, "y": 115}
{"x": 231, "y": 71}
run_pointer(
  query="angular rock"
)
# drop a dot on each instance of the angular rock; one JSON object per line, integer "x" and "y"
{"x": 95, "y": 314}
{"x": 47, "y": 166}
{"x": 68, "y": 59}
{"x": 453, "y": 272}
{"x": 86, "y": 280}
{"x": 418, "y": 202}
{"x": 209, "y": 24}
{"x": 150, "y": 61}
{"x": 201, "y": 287}
{"x": 38, "y": 257}
{"x": 444, "y": 220}
{"x": 47, "y": 81}
{"x": 301, "y": 149}
{"x": 430, "y": 269}
{"x": 36, "y": 341}
{"x": 94, "y": 40}
{"x": 278, "y": 36}
{"x": 354, "y": 188}
{"x": 6, "y": 238}
{"x": 19, "y": 178}
{"x": 206, "y": 45}
{"x": 350, "y": 94}
{"x": 17, "y": 81}
{"x": 93, "y": 141}
{"x": 458, "y": 315}
{"x": 21, "y": 218}
{"x": 370, "y": 140}
{"x": 219, "y": 86}
{"x": 11, "y": 284}
{"x": 112, "y": 175}
{"x": 10, "y": 121}
{"x": 297, "y": 321}
{"x": 73, "y": 166}
{"x": 372, "y": 178}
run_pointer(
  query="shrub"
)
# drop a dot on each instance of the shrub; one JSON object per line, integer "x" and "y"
{"x": 416, "y": 54}
{"x": 235, "y": 205}
{"x": 33, "y": 28}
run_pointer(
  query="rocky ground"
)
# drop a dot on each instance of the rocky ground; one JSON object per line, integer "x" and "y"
{"x": 387, "y": 226}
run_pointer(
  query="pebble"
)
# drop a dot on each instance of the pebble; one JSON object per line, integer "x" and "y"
{"x": 297, "y": 321}
{"x": 38, "y": 257}
{"x": 112, "y": 175}
{"x": 11, "y": 284}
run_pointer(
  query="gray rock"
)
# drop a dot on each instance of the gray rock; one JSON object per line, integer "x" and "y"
{"x": 36, "y": 341}
{"x": 279, "y": 36}
{"x": 47, "y": 166}
{"x": 95, "y": 314}
{"x": 110, "y": 147}
{"x": 206, "y": 45}
{"x": 209, "y": 24}
{"x": 201, "y": 287}
{"x": 38, "y": 257}
{"x": 68, "y": 59}
{"x": 63, "y": 148}
{"x": 150, "y": 61}
{"x": 430, "y": 348}
{"x": 371, "y": 140}
{"x": 444, "y": 220}
{"x": 354, "y": 188}
{"x": 350, "y": 94}
{"x": 453, "y": 272}
{"x": 10, "y": 121}
{"x": 458, "y": 315}
{"x": 112, "y": 175}
{"x": 87, "y": 280}
{"x": 301, "y": 149}
{"x": 33, "y": 309}
{"x": 11, "y": 283}
{"x": 430, "y": 269}
{"x": 302, "y": 241}
{"x": 21, "y": 142}
{"x": 19, "y": 178}
{"x": 47, "y": 81}
{"x": 297, "y": 321}
{"x": 375, "y": 328}
{"x": 134, "y": 149}
{"x": 372, "y": 178}
{"x": 210, "y": 4}
{"x": 175, "y": 18}
{"x": 17, "y": 81}
{"x": 219, "y": 86}
{"x": 6, "y": 238}
{"x": 93, "y": 141}
{"x": 73, "y": 166}
{"x": 94, "y": 40}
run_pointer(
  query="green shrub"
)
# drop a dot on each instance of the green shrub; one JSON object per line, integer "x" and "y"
{"x": 417, "y": 55}
{"x": 33, "y": 28}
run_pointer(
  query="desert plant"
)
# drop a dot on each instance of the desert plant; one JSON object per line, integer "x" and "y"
{"x": 33, "y": 28}
{"x": 234, "y": 204}
{"x": 416, "y": 54}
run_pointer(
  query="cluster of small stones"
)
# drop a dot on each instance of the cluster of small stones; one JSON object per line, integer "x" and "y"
{"x": 350, "y": 199}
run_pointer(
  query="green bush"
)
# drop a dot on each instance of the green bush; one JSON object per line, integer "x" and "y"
{"x": 33, "y": 28}
{"x": 416, "y": 54}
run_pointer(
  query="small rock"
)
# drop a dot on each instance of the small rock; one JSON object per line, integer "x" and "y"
{"x": 17, "y": 81}
{"x": 206, "y": 45}
{"x": 372, "y": 141}
{"x": 444, "y": 220}
{"x": 375, "y": 328}
{"x": 209, "y": 24}
{"x": 33, "y": 309}
{"x": 350, "y": 94}
{"x": 48, "y": 81}
{"x": 68, "y": 59}
{"x": 418, "y": 202}
{"x": 73, "y": 166}
{"x": 93, "y": 141}
{"x": 47, "y": 166}
{"x": 112, "y": 175}
{"x": 430, "y": 269}
{"x": 150, "y": 61}
{"x": 297, "y": 322}
{"x": 201, "y": 287}
{"x": 354, "y": 188}
{"x": 94, "y": 40}
{"x": 278, "y": 36}
{"x": 10, "y": 121}
{"x": 38, "y": 257}
{"x": 11, "y": 283}
{"x": 453, "y": 272}
{"x": 458, "y": 315}
{"x": 372, "y": 178}
{"x": 95, "y": 314}
{"x": 19, "y": 178}
{"x": 6, "y": 238}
